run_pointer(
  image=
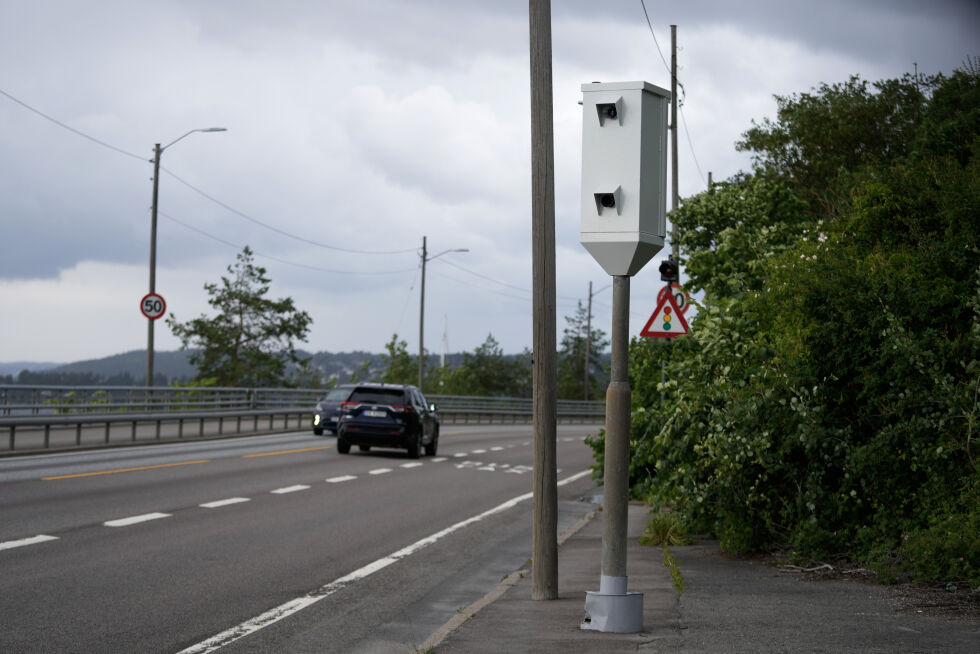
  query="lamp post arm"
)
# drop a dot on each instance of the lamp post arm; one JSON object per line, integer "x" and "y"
{"x": 200, "y": 129}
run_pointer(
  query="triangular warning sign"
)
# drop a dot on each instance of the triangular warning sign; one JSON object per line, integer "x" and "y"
{"x": 667, "y": 320}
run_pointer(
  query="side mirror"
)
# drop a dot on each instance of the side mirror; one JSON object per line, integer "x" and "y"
{"x": 433, "y": 407}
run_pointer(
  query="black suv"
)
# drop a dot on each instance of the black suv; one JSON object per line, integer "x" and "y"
{"x": 388, "y": 415}
{"x": 327, "y": 410}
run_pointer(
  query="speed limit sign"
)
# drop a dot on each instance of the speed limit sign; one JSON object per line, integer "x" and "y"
{"x": 680, "y": 296}
{"x": 153, "y": 306}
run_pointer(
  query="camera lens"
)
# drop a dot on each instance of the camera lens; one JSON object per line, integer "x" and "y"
{"x": 611, "y": 111}
{"x": 608, "y": 200}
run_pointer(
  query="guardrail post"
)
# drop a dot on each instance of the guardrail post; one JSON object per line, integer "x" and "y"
{"x": 107, "y": 426}
{"x": 13, "y": 428}
{"x": 78, "y": 434}
{"x": 47, "y": 435}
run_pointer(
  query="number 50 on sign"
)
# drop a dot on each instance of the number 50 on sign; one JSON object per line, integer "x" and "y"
{"x": 153, "y": 306}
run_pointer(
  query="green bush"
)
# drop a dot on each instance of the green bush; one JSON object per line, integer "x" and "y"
{"x": 827, "y": 399}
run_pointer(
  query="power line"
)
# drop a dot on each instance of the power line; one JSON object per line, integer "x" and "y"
{"x": 302, "y": 239}
{"x": 655, "y": 42}
{"x": 72, "y": 129}
{"x": 691, "y": 145}
{"x": 197, "y": 190}
{"x": 283, "y": 261}
{"x": 680, "y": 101}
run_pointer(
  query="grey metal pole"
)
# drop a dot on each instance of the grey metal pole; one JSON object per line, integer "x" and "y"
{"x": 617, "y": 449}
{"x": 157, "y": 151}
{"x": 544, "y": 569}
{"x": 422, "y": 319}
{"x": 674, "y": 200}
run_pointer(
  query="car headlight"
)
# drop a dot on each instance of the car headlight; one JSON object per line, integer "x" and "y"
{"x": 316, "y": 419}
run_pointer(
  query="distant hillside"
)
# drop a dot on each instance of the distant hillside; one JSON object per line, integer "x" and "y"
{"x": 15, "y": 367}
{"x": 129, "y": 368}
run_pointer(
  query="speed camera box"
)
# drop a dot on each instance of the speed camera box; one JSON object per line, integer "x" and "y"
{"x": 624, "y": 173}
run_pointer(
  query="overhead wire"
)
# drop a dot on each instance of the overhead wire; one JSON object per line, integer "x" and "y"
{"x": 196, "y": 189}
{"x": 70, "y": 128}
{"x": 680, "y": 102}
{"x": 283, "y": 261}
{"x": 256, "y": 221}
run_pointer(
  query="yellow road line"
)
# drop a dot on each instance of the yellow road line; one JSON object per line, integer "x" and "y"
{"x": 305, "y": 449}
{"x": 114, "y": 472}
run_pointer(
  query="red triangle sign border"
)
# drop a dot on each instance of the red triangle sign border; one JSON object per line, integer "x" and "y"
{"x": 668, "y": 298}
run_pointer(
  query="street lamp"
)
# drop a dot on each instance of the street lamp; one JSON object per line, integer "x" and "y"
{"x": 157, "y": 151}
{"x": 426, "y": 258}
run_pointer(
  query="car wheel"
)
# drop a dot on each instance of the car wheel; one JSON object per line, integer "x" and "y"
{"x": 415, "y": 444}
{"x": 318, "y": 432}
{"x": 430, "y": 449}
{"x": 343, "y": 445}
{"x": 364, "y": 448}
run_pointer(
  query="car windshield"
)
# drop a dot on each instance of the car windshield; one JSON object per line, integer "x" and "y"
{"x": 391, "y": 396}
{"x": 336, "y": 395}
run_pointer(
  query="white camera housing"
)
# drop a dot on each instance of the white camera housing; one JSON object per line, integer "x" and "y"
{"x": 624, "y": 174}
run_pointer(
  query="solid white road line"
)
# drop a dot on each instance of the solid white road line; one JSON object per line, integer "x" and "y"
{"x": 337, "y": 480}
{"x": 379, "y": 471}
{"x": 290, "y": 489}
{"x": 285, "y": 610}
{"x": 220, "y": 503}
{"x": 33, "y": 540}
{"x": 136, "y": 519}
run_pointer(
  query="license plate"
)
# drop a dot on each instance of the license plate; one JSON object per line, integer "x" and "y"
{"x": 375, "y": 414}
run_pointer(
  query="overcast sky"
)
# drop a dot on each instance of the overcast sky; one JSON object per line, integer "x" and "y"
{"x": 364, "y": 126}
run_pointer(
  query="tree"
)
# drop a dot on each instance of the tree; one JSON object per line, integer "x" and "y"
{"x": 400, "y": 366}
{"x": 571, "y": 357}
{"x": 250, "y": 340}
{"x": 485, "y": 371}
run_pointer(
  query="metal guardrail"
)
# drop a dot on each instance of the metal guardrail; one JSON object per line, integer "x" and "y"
{"x": 47, "y": 417}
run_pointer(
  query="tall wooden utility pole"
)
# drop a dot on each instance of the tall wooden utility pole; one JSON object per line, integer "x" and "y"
{"x": 544, "y": 568}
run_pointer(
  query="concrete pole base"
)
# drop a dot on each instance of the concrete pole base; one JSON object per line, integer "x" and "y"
{"x": 612, "y": 609}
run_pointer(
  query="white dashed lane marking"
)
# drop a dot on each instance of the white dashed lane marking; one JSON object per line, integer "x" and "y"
{"x": 136, "y": 519}
{"x": 337, "y": 480}
{"x": 439, "y": 459}
{"x": 411, "y": 465}
{"x": 33, "y": 540}
{"x": 290, "y": 489}
{"x": 219, "y": 503}
{"x": 496, "y": 449}
{"x": 379, "y": 471}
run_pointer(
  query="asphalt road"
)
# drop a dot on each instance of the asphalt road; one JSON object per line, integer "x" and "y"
{"x": 262, "y": 544}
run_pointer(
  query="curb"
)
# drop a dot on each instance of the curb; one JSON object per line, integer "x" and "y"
{"x": 508, "y": 582}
